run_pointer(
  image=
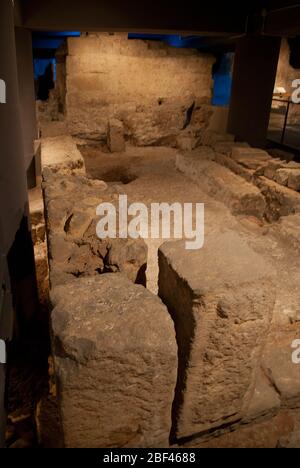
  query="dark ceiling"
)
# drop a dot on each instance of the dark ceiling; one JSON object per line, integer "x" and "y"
{"x": 217, "y": 18}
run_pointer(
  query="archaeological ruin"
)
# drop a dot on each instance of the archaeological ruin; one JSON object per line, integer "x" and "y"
{"x": 150, "y": 226}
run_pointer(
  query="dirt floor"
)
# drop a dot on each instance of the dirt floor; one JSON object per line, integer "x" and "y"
{"x": 149, "y": 175}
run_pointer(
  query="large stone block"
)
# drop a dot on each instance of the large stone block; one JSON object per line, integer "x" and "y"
{"x": 221, "y": 299}
{"x": 116, "y": 363}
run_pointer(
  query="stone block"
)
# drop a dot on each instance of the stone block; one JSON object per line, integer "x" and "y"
{"x": 42, "y": 272}
{"x": 115, "y": 136}
{"x": 252, "y": 158}
{"x": 116, "y": 363}
{"x": 280, "y": 201}
{"x": 226, "y": 147}
{"x": 221, "y": 299}
{"x": 288, "y": 232}
{"x": 236, "y": 168}
{"x": 294, "y": 179}
{"x": 36, "y": 210}
{"x": 38, "y": 233}
{"x": 264, "y": 434}
{"x": 186, "y": 142}
{"x": 271, "y": 168}
{"x": 265, "y": 401}
{"x": 278, "y": 365}
{"x": 60, "y": 154}
{"x": 282, "y": 176}
{"x": 211, "y": 138}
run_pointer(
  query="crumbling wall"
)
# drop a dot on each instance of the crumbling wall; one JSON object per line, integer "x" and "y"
{"x": 152, "y": 88}
{"x": 285, "y": 72}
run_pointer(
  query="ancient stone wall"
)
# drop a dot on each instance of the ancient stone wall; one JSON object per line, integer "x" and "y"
{"x": 285, "y": 72}
{"x": 152, "y": 88}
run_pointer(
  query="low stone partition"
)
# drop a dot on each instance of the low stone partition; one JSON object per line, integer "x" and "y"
{"x": 218, "y": 181}
{"x": 60, "y": 154}
{"x": 273, "y": 185}
{"x": 116, "y": 363}
{"x": 221, "y": 299}
{"x": 74, "y": 248}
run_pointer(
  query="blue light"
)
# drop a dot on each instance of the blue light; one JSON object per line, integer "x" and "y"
{"x": 40, "y": 66}
{"x": 223, "y": 81}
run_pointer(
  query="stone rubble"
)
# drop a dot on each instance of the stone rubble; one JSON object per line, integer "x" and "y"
{"x": 74, "y": 248}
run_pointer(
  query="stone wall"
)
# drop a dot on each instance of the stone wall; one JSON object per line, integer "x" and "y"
{"x": 151, "y": 87}
{"x": 285, "y": 72}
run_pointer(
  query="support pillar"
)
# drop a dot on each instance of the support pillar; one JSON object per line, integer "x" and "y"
{"x": 13, "y": 186}
{"x": 27, "y": 99}
{"x": 254, "y": 75}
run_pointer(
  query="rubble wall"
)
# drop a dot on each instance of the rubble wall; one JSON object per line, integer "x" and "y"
{"x": 151, "y": 87}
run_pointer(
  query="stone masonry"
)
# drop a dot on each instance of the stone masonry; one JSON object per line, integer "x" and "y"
{"x": 137, "y": 82}
{"x": 74, "y": 248}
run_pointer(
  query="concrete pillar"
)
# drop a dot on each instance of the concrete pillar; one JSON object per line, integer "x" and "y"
{"x": 254, "y": 74}
{"x": 13, "y": 190}
{"x": 27, "y": 99}
{"x": 12, "y": 167}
